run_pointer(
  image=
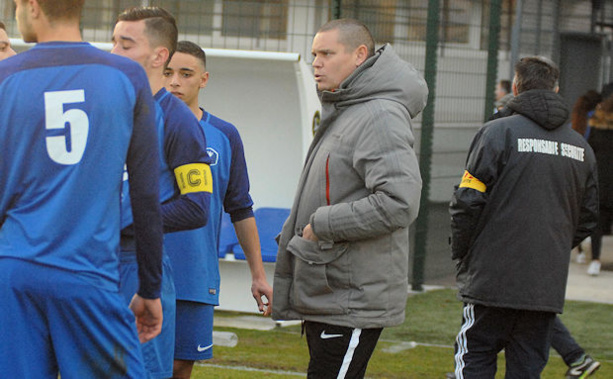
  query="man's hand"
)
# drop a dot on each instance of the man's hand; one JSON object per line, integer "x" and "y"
{"x": 261, "y": 291}
{"x": 148, "y": 313}
{"x": 307, "y": 233}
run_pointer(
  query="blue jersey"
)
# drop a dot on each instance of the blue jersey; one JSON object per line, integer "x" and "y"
{"x": 181, "y": 143}
{"x": 183, "y": 157}
{"x": 72, "y": 116}
{"x": 193, "y": 253}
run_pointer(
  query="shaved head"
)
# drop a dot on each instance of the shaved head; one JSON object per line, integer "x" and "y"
{"x": 351, "y": 34}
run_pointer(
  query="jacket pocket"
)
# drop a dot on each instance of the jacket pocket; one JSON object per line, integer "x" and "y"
{"x": 312, "y": 292}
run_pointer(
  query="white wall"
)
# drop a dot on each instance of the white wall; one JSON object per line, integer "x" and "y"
{"x": 271, "y": 99}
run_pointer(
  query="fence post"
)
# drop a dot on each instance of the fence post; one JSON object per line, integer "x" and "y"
{"x": 336, "y": 9}
{"x": 515, "y": 34}
{"x": 492, "y": 58}
{"x": 425, "y": 147}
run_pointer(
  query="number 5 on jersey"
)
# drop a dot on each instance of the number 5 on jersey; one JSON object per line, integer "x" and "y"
{"x": 66, "y": 149}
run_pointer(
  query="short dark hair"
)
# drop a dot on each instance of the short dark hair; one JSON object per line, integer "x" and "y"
{"x": 160, "y": 25}
{"x": 188, "y": 47}
{"x": 2, "y": 26}
{"x": 61, "y": 9}
{"x": 352, "y": 33}
{"x": 505, "y": 85}
{"x": 536, "y": 73}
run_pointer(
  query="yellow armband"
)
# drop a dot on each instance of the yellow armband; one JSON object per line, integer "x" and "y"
{"x": 469, "y": 181}
{"x": 194, "y": 177}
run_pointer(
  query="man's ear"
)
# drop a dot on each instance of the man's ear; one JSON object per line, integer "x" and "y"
{"x": 515, "y": 92}
{"x": 204, "y": 79}
{"x": 361, "y": 54}
{"x": 34, "y": 8}
{"x": 160, "y": 56}
{"x": 556, "y": 89}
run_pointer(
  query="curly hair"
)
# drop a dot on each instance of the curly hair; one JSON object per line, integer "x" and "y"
{"x": 584, "y": 105}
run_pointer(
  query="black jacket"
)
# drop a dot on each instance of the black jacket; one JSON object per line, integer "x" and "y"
{"x": 529, "y": 194}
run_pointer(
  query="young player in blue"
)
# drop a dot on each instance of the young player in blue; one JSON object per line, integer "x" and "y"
{"x": 148, "y": 35}
{"x": 194, "y": 253}
{"x": 72, "y": 116}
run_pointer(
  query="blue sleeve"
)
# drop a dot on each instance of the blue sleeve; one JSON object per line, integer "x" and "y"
{"x": 237, "y": 202}
{"x": 184, "y": 143}
{"x": 186, "y": 212}
{"x": 142, "y": 160}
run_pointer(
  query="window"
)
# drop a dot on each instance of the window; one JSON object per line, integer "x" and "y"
{"x": 255, "y": 18}
{"x": 99, "y": 14}
{"x": 507, "y": 18}
{"x": 454, "y": 19}
{"x": 192, "y": 16}
{"x": 377, "y": 15}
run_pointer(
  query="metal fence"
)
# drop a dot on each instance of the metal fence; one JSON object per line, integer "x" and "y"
{"x": 526, "y": 27}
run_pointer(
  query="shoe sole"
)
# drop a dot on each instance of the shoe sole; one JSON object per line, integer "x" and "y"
{"x": 589, "y": 370}
{"x": 592, "y": 369}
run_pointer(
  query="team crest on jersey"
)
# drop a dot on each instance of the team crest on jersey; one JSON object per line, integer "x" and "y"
{"x": 213, "y": 154}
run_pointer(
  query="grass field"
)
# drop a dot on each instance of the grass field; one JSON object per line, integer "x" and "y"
{"x": 419, "y": 348}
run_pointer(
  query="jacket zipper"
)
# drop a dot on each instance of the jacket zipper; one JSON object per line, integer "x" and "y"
{"x": 328, "y": 180}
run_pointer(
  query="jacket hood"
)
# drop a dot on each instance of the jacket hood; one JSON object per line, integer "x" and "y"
{"x": 382, "y": 76}
{"x": 544, "y": 107}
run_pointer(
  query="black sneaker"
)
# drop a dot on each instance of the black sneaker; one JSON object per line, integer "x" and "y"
{"x": 583, "y": 369}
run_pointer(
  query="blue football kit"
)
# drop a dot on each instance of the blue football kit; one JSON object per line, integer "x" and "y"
{"x": 193, "y": 253}
{"x": 72, "y": 117}
{"x": 185, "y": 189}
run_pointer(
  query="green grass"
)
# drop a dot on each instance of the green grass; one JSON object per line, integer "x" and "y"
{"x": 433, "y": 319}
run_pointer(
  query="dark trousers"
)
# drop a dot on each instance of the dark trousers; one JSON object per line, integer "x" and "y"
{"x": 565, "y": 344}
{"x": 524, "y": 336}
{"x": 338, "y": 351}
{"x": 605, "y": 216}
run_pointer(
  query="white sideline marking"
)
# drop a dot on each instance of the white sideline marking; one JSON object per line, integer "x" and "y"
{"x": 251, "y": 369}
{"x": 397, "y": 348}
{"x": 413, "y": 344}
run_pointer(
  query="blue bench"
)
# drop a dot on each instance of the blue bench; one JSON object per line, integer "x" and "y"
{"x": 269, "y": 223}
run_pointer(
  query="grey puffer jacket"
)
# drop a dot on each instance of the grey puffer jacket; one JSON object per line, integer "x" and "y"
{"x": 359, "y": 190}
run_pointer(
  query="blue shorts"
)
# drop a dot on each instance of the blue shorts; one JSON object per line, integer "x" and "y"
{"x": 194, "y": 336}
{"x": 54, "y": 320}
{"x": 159, "y": 352}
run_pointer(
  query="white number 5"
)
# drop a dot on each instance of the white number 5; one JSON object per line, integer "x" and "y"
{"x": 78, "y": 124}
